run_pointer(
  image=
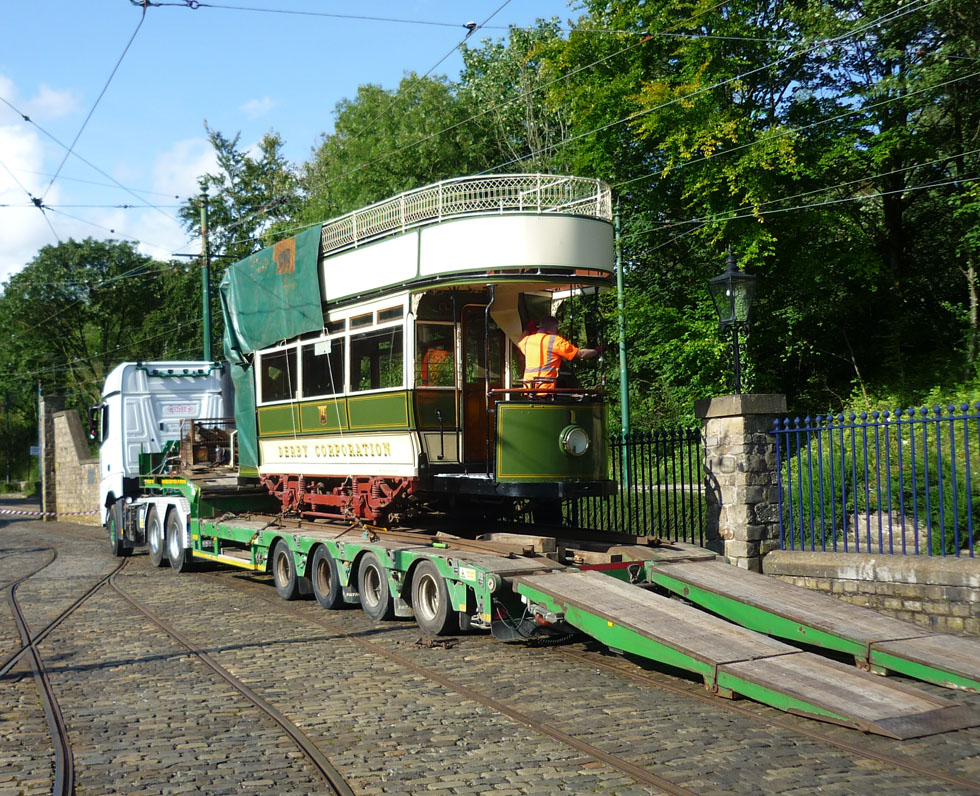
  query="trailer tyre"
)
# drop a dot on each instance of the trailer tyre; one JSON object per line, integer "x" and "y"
{"x": 114, "y": 527}
{"x": 284, "y": 571}
{"x": 156, "y": 540}
{"x": 326, "y": 583}
{"x": 180, "y": 556}
{"x": 372, "y": 585}
{"x": 430, "y": 602}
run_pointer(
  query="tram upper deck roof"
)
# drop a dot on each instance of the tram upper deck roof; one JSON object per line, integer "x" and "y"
{"x": 487, "y": 195}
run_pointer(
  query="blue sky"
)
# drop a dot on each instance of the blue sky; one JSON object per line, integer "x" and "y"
{"x": 242, "y": 71}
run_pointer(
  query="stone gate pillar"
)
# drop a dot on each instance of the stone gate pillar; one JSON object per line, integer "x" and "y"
{"x": 49, "y": 404}
{"x": 740, "y": 476}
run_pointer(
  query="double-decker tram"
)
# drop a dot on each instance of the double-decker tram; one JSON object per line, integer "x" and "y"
{"x": 376, "y": 362}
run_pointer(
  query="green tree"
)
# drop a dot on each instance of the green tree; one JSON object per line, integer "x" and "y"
{"x": 506, "y": 82}
{"x": 81, "y": 307}
{"x": 252, "y": 198}
{"x": 386, "y": 142}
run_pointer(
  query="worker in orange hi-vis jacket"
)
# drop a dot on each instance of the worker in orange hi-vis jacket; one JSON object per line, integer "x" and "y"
{"x": 544, "y": 349}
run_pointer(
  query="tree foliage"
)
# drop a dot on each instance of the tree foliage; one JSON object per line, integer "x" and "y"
{"x": 833, "y": 147}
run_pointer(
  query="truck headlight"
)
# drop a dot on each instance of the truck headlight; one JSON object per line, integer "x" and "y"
{"x": 574, "y": 440}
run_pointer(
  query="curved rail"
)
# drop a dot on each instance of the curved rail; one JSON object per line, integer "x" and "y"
{"x": 38, "y": 637}
{"x": 640, "y": 774}
{"x": 64, "y": 768}
{"x": 466, "y": 196}
{"x": 630, "y": 671}
{"x": 319, "y": 761}
{"x": 613, "y": 761}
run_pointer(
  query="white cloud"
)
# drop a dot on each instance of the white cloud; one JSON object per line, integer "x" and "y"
{"x": 258, "y": 107}
{"x": 23, "y": 230}
{"x": 51, "y": 104}
{"x": 46, "y": 105}
{"x": 176, "y": 171}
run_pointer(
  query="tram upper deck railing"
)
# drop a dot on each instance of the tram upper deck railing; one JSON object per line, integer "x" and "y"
{"x": 465, "y": 196}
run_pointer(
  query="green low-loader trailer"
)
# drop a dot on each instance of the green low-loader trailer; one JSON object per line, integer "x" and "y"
{"x": 557, "y": 582}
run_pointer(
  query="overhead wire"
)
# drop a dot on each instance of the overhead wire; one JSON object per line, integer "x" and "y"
{"x": 539, "y": 87}
{"x": 889, "y": 16}
{"x": 35, "y": 202}
{"x": 395, "y": 99}
{"x": 63, "y": 178}
{"x": 88, "y": 163}
{"x": 787, "y": 131}
{"x": 66, "y": 366}
{"x": 110, "y": 230}
{"x": 96, "y": 103}
{"x": 824, "y": 189}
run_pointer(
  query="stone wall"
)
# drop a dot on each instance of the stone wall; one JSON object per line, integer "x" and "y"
{"x": 69, "y": 475}
{"x": 940, "y": 593}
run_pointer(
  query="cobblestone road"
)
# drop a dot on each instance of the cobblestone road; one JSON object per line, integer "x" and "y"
{"x": 146, "y": 717}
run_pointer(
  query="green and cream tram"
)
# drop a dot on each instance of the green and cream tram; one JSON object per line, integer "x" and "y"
{"x": 376, "y": 360}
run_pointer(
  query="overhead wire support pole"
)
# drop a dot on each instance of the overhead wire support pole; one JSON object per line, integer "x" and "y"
{"x": 205, "y": 279}
{"x": 624, "y": 393}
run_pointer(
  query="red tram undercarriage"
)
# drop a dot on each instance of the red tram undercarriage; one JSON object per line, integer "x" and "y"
{"x": 367, "y": 498}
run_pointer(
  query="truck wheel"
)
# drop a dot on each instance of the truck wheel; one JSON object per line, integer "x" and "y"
{"x": 326, "y": 584}
{"x": 155, "y": 538}
{"x": 284, "y": 571}
{"x": 114, "y": 527}
{"x": 372, "y": 584}
{"x": 430, "y": 602}
{"x": 180, "y": 556}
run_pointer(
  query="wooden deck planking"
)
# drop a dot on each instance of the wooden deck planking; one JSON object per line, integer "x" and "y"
{"x": 817, "y": 684}
{"x": 956, "y": 654}
{"x": 695, "y": 633}
{"x": 791, "y": 602}
{"x": 873, "y": 703}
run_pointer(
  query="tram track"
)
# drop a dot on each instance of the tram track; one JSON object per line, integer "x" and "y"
{"x": 303, "y": 742}
{"x": 631, "y": 671}
{"x": 64, "y": 768}
{"x": 626, "y": 669}
{"x": 623, "y": 667}
{"x": 638, "y": 773}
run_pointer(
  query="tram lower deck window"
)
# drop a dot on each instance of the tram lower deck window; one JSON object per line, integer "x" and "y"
{"x": 278, "y": 376}
{"x": 376, "y": 360}
{"x": 323, "y": 367}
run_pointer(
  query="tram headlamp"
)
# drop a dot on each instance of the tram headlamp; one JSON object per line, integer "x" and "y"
{"x": 574, "y": 440}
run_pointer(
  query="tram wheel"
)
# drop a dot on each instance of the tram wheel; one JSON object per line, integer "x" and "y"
{"x": 155, "y": 538}
{"x": 326, "y": 584}
{"x": 430, "y": 602}
{"x": 114, "y": 527}
{"x": 372, "y": 585}
{"x": 284, "y": 571}
{"x": 180, "y": 556}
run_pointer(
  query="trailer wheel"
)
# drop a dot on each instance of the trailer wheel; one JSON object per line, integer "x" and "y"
{"x": 430, "y": 602}
{"x": 180, "y": 556}
{"x": 372, "y": 584}
{"x": 114, "y": 527}
{"x": 155, "y": 538}
{"x": 326, "y": 584}
{"x": 284, "y": 571}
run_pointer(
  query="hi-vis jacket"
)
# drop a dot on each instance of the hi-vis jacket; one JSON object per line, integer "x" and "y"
{"x": 543, "y": 354}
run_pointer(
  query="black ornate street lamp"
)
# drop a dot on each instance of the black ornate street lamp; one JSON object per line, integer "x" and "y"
{"x": 733, "y": 293}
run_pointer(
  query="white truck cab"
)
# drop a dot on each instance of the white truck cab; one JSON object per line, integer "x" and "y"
{"x": 143, "y": 406}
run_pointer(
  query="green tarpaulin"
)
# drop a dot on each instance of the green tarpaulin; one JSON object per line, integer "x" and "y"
{"x": 269, "y": 296}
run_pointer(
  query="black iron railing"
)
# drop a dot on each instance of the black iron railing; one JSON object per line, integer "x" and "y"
{"x": 886, "y": 482}
{"x": 660, "y": 488}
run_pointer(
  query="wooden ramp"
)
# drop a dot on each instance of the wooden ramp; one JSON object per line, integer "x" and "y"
{"x": 735, "y": 660}
{"x": 772, "y": 606}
